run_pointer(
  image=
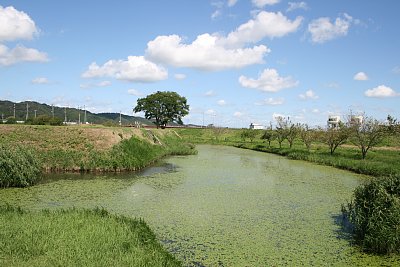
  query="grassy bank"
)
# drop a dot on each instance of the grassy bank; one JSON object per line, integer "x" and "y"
{"x": 77, "y": 238}
{"x": 86, "y": 148}
{"x": 382, "y": 161}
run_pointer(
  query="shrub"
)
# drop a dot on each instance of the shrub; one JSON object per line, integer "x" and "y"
{"x": 375, "y": 215}
{"x": 19, "y": 167}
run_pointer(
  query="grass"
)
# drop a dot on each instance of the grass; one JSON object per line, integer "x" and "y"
{"x": 77, "y": 238}
{"x": 375, "y": 215}
{"x": 84, "y": 149}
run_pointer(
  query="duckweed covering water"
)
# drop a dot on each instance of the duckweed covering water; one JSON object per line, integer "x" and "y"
{"x": 225, "y": 207}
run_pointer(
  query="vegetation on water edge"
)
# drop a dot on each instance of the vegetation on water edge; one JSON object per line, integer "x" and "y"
{"x": 375, "y": 215}
{"x": 18, "y": 166}
{"x": 76, "y": 237}
{"x": 380, "y": 162}
{"x": 27, "y": 149}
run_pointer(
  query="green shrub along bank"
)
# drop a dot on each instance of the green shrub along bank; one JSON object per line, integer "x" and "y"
{"x": 76, "y": 237}
{"x": 21, "y": 165}
{"x": 18, "y": 166}
{"x": 375, "y": 215}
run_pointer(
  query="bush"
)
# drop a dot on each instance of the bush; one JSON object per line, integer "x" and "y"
{"x": 19, "y": 167}
{"x": 375, "y": 215}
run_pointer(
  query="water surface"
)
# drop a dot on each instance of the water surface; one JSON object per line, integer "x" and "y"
{"x": 223, "y": 207}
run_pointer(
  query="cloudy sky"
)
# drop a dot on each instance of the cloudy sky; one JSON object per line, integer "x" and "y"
{"x": 236, "y": 61}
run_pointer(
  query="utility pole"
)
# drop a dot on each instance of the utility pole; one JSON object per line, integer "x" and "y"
{"x": 65, "y": 114}
{"x": 27, "y": 111}
{"x": 35, "y": 113}
{"x": 84, "y": 107}
{"x": 14, "y": 111}
{"x": 52, "y": 111}
{"x": 203, "y": 119}
{"x": 120, "y": 122}
{"x": 79, "y": 116}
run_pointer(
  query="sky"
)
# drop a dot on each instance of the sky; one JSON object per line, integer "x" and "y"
{"x": 236, "y": 61}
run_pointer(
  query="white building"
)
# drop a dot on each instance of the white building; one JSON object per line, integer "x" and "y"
{"x": 356, "y": 120}
{"x": 255, "y": 126}
{"x": 333, "y": 121}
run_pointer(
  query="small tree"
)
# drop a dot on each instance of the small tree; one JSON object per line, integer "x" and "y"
{"x": 248, "y": 133}
{"x": 268, "y": 135}
{"x": 307, "y": 135}
{"x": 218, "y": 131}
{"x": 367, "y": 134}
{"x": 282, "y": 129}
{"x": 336, "y": 136}
{"x": 163, "y": 107}
{"x": 292, "y": 133}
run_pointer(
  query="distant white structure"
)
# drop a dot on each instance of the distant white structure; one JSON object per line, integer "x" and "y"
{"x": 333, "y": 121}
{"x": 356, "y": 119}
{"x": 255, "y": 126}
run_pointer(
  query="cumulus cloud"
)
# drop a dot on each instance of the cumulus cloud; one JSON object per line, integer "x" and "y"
{"x": 262, "y": 3}
{"x": 264, "y": 24}
{"x": 271, "y": 101}
{"x": 135, "y": 92}
{"x": 221, "y": 102}
{"x": 15, "y": 25}
{"x": 309, "y": 94}
{"x": 361, "y": 76}
{"x": 381, "y": 91}
{"x": 268, "y": 81}
{"x": 40, "y": 80}
{"x": 20, "y": 54}
{"x": 134, "y": 69}
{"x": 104, "y": 84}
{"x": 323, "y": 30}
{"x": 180, "y": 76}
{"x": 296, "y": 5}
{"x": 204, "y": 53}
{"x": 213, "y": 52}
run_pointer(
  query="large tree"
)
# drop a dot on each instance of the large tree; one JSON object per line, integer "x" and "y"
{"x": 163, "y": 107}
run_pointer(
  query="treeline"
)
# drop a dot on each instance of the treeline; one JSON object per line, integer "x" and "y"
{"x": 364, "y": 134}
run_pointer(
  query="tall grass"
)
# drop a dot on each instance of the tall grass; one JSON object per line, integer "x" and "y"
{"x": 77, "y": 238}
{"x": 18, "y": 166}
{"x": 375, "y": 215}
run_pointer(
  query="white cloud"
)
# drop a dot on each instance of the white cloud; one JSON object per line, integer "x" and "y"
{"x": 262, "y": 3}
{"x": 135, "y": 92}
{"x": 209, "y": 93}
{"x": 103, "y": 84}
{"x": 361, "y": 76}
{"x": 309, "y": 94}
{"x": 296, "y": 5}
{"x": 396, "y": 70}
{"x": 40, "y": 80}
{"x": 16, "y": 25}
{"x": 264, "y": 24}
{"x": 268, "y": 81}
{"x": 238, "y": 114}
{"x": 322, "y": 29}
{"x": 135, "y": 69}
{"x": 381, "y": 91}
{"x": 221, "y": 102}
{"x": 271, "y": 101}
{"x": 315, "y": 111}
{"x": 203, "y": 53}
{"x": 210, "y": 112}
{"x": 216, "y": 14}
{"x": 180, "y": 76}
{"x": 232, "y": 2}
{"x": 20, "y": 54}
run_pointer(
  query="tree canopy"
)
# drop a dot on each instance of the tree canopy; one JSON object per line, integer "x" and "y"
{"x": 163, "y": 107}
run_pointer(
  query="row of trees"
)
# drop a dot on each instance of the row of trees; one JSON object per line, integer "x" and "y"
{"x": 364, "y": 134}
{"x": 39, "y": 120}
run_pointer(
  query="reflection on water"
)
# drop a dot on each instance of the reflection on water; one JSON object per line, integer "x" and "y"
{"x": 223, "y": 207}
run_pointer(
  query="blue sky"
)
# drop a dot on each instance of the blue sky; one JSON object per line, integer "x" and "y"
{"x": 236, "y": 62}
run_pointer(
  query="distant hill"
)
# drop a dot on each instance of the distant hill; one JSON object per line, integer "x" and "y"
{"x": 71, "y": 114}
